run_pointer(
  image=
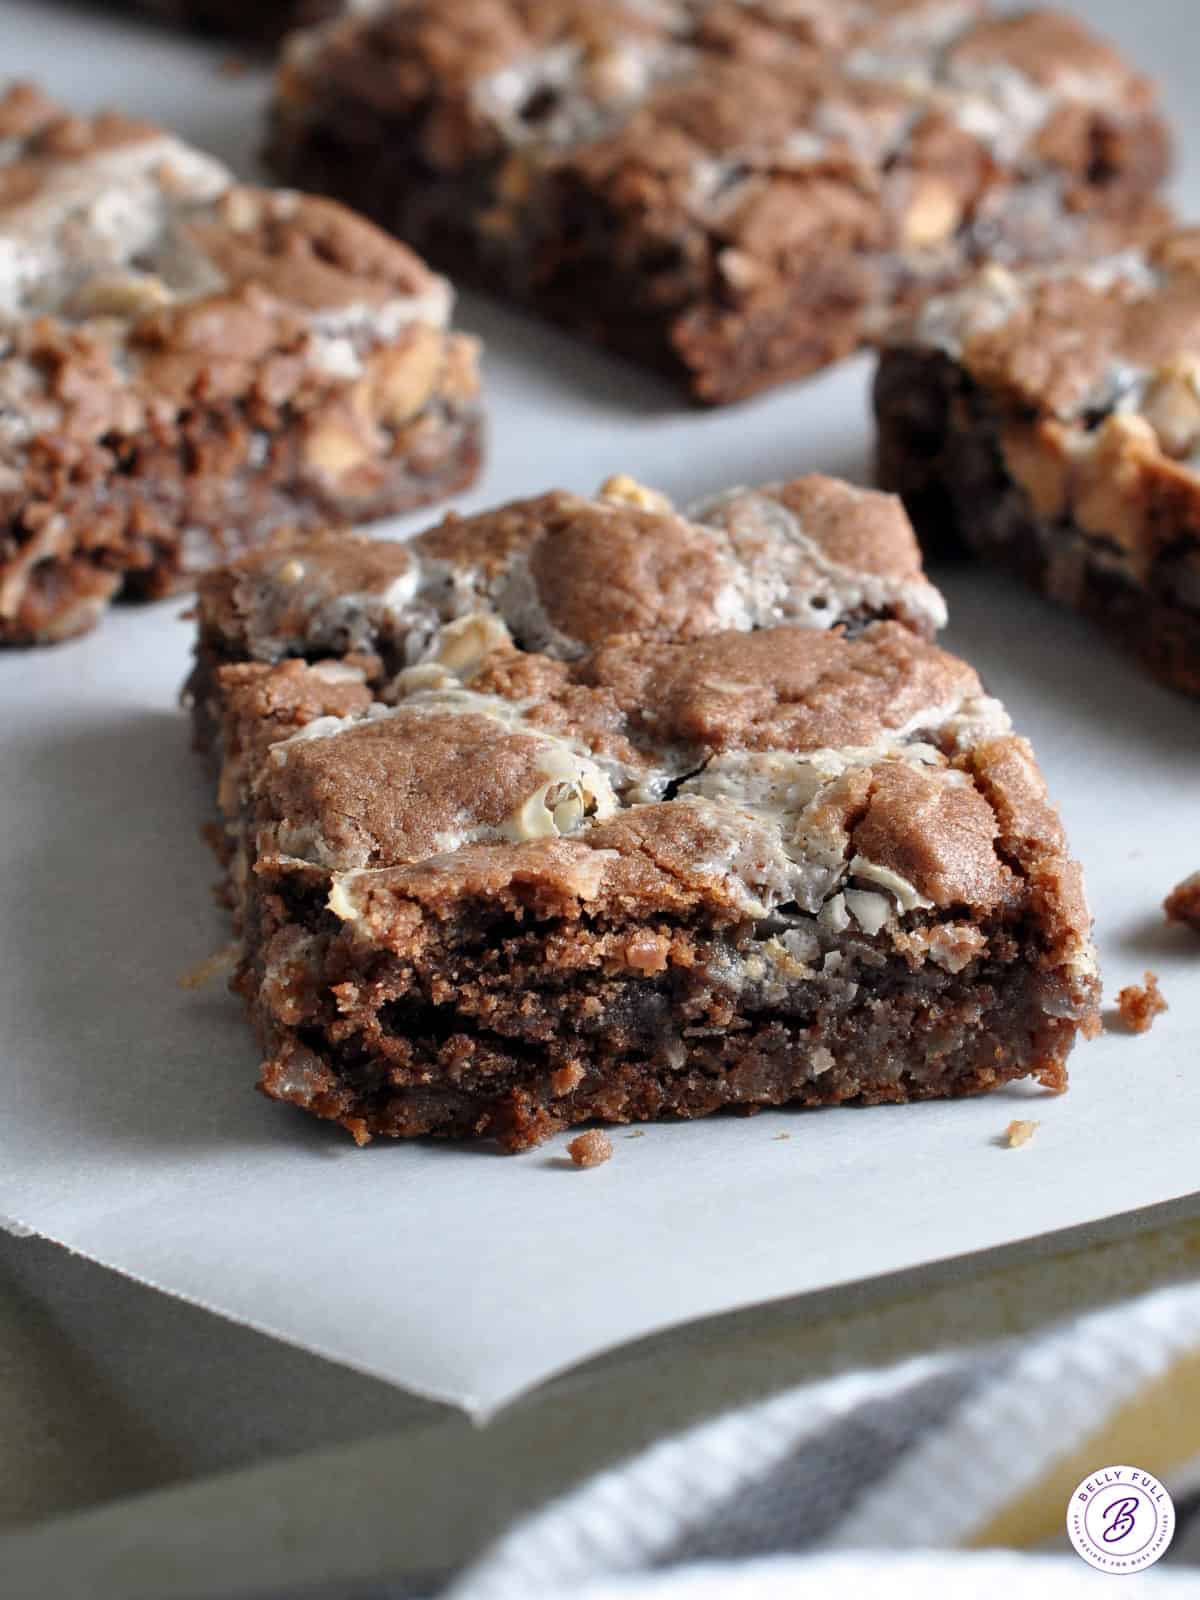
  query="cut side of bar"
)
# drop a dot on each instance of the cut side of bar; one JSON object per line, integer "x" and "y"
{"x": 734, "y": 194}
{"x": 500, "y": 872}
{"x": 188, "y": 364}
{"x": 1050, "y": 422}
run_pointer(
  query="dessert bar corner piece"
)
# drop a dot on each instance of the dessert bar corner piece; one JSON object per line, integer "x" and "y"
{"x": 188, "y": 363}
{"x": 1050, "y": 422}
{"x": 594, "y": 853}
{"x": 734, "y": 193}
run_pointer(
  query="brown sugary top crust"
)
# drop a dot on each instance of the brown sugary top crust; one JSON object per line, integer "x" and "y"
{"x": 745, "y": 130}
{"x": 673, "y": 859}
{"x": 382, "y": 792}
{"x": 290, "y": 595}
{"x": 857, "y": 528}
{"x": 395, "y": 789}
{"x": 566, "y": 573}
{"x": 1065, "y": 333}
{"x": 261, "y": 705}
{"x": 307, "y": 251}
{"x": 425, "y": 794}
{"x": 452, "y": 51}
{"x": 598, "y": 569}
{"x": 781, "y": 688}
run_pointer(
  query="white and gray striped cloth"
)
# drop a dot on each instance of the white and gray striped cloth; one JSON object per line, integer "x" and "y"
{"x": 884, "y": 1484}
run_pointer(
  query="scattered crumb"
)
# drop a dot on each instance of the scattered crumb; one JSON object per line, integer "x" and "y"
{"x": 1183, "y": 902}
{"x": 1139, "y": 1007}
{"x": 591, "y": 1149}
{"x": 216, "y": 966}
{"x": 1019, "y": 1133}
{"x": 638, "y": 1133}
{"x": 233, "y": 67}
{"x": 783, "y": 1136}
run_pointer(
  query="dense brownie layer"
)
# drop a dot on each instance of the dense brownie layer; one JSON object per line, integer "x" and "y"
{"x": 736, "y": 193}
{"x": 646, "y": 873}
{"x": 1051, "y": 422}
{"x": 187, "y": 363}
{"x": 560, "y": 573}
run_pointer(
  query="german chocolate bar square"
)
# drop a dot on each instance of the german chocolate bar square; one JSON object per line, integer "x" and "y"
{"x": 187, "y": 364}
{"x": 735, "y": 193}
{"x": 587, "y": 810}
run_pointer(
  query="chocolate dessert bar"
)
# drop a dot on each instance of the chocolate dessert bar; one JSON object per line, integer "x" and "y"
{"x": 735, "y": 193}
{"x": 187, "y": 363}
{"x": 519, "y": 839}
{"x": 1050, "y": 421}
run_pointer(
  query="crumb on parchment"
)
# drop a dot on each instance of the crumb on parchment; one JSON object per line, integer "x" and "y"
{"x": 591, "y": 1149}
{"x": 218, "y": 965}
{"x": 1020, "y": 1132}
{"x": 1139, "y": 1006}
{"x": 1183, "y": 902}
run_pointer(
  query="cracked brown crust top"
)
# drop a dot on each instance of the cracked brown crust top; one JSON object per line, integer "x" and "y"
{"x": 781, "y": 688}
{"x": 863, "y": 782}
{"x": 799, "y": 747}
{"x": 718, "y": 141}
{"x": 564, "y": 573}
{"x": 1067, "y": 343}
{"x": 872, "y": 786}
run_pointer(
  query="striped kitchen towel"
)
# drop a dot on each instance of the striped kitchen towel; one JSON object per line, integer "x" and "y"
{"x": 926, "y": 1479}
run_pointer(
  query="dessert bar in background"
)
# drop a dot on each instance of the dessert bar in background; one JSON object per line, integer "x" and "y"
{"x": 1051, "y": 422}
{"x": 734, "y": 193}
{"x": 187, "y": 363}
{"x": 590, "y": 810}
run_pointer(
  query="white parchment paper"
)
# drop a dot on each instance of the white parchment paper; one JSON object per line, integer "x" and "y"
{"x": 130, "y": 1131}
